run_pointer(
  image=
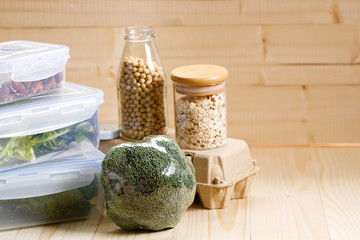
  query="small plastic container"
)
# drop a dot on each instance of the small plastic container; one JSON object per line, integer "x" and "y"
{"x": 141, "y": 86}
{"x": 50, "y": 126}
{"x": 30, "y": 68}
{"x": 52, "y": 192}
{"x": 200, "y": 106}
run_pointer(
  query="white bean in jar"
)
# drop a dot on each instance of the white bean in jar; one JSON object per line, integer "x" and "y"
{"x": 201, "y": 121}
{"x": 200, "y": 106}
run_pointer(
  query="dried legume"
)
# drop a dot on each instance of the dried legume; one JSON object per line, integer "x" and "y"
{"x": 142, "y": 98}
{"x": 201, "y": 121}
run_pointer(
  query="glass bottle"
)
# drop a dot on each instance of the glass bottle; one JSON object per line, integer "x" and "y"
{"x": 141, "y": 86}
{"x": 200, "y": 106}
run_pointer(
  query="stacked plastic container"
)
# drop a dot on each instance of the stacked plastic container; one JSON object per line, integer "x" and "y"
{"x": 49, "y": 135}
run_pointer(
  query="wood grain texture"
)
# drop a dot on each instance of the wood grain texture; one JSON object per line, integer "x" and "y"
{"x": 95, "y": 53}
{"x": 311, "y": 44}
{"x": 268, "y": 103}
{"x": 347, "y": 11}
{"x": 83, "y": 229}
{"x": 338, "y": 172}
{"x": 294, "y": 79}
{"x": 35, "y": 13}
{"x": 289, "y": 61}
{"x": 236, "y": 45}
{"x": 299, "y": 193}
{"x": 197, "y": 223}
{"x": 284, "y": 115}
{"x": 286, "y": 190}
{"x": 9, "y": 234}
{"x": 331, "y": 105}
{"x": 270, "y": 44}
{"x": 259, "y": 94}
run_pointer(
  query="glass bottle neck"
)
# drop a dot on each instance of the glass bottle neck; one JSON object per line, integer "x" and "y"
{"x": 139, "y": 33}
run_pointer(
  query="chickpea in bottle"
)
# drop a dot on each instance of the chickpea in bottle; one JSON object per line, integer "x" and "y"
{"x": 141, "y": 86}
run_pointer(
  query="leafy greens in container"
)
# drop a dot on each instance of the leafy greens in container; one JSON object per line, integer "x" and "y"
{"x": 49, "y": 192}
{"x": 28, "y": 148}
{"x": 47, "y": 127}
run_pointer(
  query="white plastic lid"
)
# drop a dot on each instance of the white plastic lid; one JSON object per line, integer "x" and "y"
{"x": 50, "y": 177}
{"x": 69, "y": 105}
{"x": 31, "y": 61}
{"x": 108, "y": 132}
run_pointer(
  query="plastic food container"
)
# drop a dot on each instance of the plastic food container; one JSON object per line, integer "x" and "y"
{"x": 50, "y": 126}
{"x": 30, "y": 68}
{"x": 52, "y": 192}
{"x": 200, "y": 106}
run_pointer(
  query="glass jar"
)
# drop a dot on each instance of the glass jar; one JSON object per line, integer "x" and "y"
{"x": 200, "y": 106}
{"x": 141, "y": 86}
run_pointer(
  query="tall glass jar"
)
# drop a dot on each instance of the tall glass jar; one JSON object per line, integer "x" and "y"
{"x": 141, "y": 86}
{"x": 200, "y": 106}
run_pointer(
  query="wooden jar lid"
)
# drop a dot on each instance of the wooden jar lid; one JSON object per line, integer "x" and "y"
{"x": 199, "y": 75}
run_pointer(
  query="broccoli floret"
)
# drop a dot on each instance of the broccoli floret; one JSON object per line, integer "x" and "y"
{"x": 68, "y": 204}
{"x": 90, "y": 191}
{"x": 148, "y": 185}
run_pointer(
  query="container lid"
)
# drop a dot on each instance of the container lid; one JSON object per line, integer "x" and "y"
{"x": 31, "y": 61}
{"x": 69, "y": 105}
{"x": 108, "y": 132}
{"x": 51, "y": 177}
{"x": 199, "y": 75}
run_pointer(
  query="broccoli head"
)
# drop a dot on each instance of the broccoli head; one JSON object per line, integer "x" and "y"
{"x": 148, "y": 184}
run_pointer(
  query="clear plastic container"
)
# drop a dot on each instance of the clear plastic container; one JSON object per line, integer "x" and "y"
{"x": 200, "y": 106}
{"x": 141, "y": 86}
{"x": 49, "y": 126}
{"x": 30, "y": 68}
{"x": 52, "y": 192}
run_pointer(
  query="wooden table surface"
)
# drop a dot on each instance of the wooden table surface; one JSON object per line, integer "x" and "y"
{"x": 299, "y": 193}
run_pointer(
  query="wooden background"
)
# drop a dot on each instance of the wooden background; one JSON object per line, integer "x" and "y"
{"x": 294, "y": 64}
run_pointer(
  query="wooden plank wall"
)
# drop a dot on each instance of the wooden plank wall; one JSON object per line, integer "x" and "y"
{"x": 294, "y": 64}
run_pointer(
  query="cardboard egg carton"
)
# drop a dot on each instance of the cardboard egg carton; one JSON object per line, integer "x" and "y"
{"x": 223, "y": 173}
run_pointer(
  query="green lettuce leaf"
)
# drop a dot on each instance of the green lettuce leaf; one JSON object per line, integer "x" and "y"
{"x": 51, "y": 141}
{"x": 16, "y": 148}
{"x": 27, "y": 148}
{"x": 83, "y": 130}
